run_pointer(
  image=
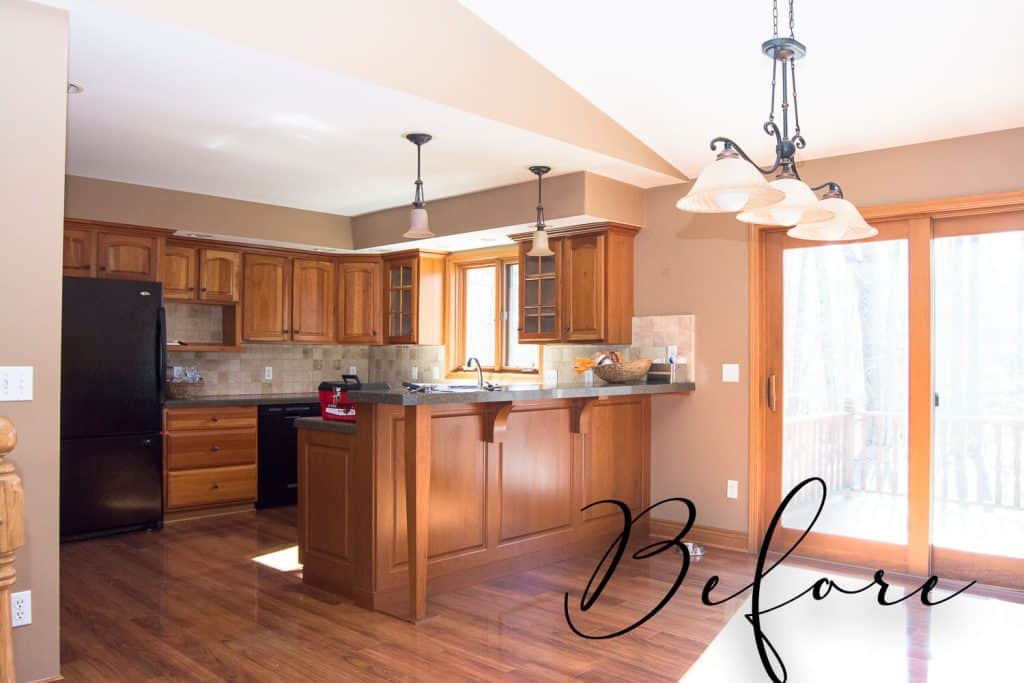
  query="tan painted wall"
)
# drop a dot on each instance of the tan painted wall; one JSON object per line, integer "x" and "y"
{"x": 565, "y": 196}
{"x": 33, "y": 80}
{"x": 698, "y": 264}
{"x": 107, "y": 200}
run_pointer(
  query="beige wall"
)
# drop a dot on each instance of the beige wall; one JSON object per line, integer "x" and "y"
{"x": 565, "y": 196}
{"x": 33, "y": 80}
{"x": 107, "y": 200}
{"x": 698, "y": 264}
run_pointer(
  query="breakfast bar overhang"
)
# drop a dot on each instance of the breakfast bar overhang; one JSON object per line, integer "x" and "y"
{"x": 445, "y": 489}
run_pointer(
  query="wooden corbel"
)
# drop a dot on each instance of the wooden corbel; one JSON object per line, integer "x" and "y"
{"x": 496, "y": 421}
{"x": 12, "y": 537}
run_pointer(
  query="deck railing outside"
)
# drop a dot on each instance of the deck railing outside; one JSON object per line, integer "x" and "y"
{"x": 977, "y": 459}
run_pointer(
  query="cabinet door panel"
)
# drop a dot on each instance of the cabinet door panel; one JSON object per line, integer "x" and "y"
{"x": 79, "y": 252}
{"x": 584, "y": 288}
{"x": 312, "y": 300}
{"x": 267, "y": 297}
{"x": 127, "y": 257}
{"x": 220, "y": 275}
{"x": 359, "y": 301}
{"x": 540, "y": 307}
{"x": 400, "y": 302}
{"x": 179, "y": 273}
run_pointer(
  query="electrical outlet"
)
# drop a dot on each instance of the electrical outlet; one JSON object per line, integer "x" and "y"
{"x": 732, "y": 489}
{"x": 414, "y": 373}
{"x": 21, "y": 608}
{"x": 268, "y": 373}
{"x": 435, "y": 373}
{"x": 353, "y": 370}
{"x": 730, "y": 372}
{"x": 16, "y": 383}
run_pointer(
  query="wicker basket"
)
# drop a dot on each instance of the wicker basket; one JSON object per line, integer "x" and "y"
{"x": 615, "y": 373}
{"x": 180, "y": 390}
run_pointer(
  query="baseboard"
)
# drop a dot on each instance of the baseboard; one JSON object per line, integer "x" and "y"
{"x": 53, "y": 679}
{"x": 710, "y": 536}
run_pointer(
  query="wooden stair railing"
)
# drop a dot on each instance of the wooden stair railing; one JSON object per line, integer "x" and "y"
{"x": 12, "y": 537}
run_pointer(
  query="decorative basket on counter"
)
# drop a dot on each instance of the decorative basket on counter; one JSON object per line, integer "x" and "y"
{"x": 180, "y": 390}
{"x": 617, "y": 373}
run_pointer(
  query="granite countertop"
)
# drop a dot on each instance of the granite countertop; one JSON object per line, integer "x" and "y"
{"x": 241, "y": 400}
{"x": 517, "y": 392}
{"x": 321, "y": 425}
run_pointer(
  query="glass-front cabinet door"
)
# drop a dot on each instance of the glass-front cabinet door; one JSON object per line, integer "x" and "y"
{"x": 400, "y": 295}
{"x": 540, "y": 312}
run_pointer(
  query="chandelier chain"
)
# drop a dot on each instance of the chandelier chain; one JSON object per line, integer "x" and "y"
{"x": 790, "y": 20}
{"x": 775, "y": 18}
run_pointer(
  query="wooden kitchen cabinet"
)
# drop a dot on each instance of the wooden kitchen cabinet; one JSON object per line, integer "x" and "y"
{"x": 220, "y": 275}
{"x": 582, "y": 294}
{"x": 127, "y": 257}
{"x": 583, "y": 259}
{"x": 359, "y": 302}
{"x": 312, "y": 301}
{"x": 414, "y": 297}
{"x": 179, "y": 273}
{"x": 79, "y": 252}
{"x": 540, "y": 309}
{"x": 266, "y": 298}
{"x": 210, "y": 458}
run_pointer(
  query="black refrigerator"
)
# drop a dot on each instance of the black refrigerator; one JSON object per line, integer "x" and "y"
{"x": 113, "y": 354}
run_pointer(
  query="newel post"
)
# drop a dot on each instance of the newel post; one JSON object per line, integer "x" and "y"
{"x": 12, "y": 537}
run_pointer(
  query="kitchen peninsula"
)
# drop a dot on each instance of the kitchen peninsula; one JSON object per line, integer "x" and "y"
{"x": 449, "y": 488}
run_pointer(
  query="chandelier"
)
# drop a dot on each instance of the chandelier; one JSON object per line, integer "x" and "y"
{"x": 734, "y": 183}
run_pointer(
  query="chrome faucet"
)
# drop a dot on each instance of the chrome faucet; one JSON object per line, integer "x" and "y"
{"x": 479, "y": 370}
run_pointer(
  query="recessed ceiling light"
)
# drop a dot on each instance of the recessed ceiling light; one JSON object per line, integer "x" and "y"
{"x": 74, "y": 88}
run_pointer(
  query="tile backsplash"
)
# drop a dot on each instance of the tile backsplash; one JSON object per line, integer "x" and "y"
{"x": 300, "y": 368}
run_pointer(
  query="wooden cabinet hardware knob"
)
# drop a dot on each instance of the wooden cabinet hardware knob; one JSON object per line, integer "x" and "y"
{"x": 103, "y": 267}
{"x": 214, "y": 419}
{"x": 201, "y": 290}
{"x": 215, "y": 449}
{"x": 215, "y": 486}
{"x": 82, "y": 267}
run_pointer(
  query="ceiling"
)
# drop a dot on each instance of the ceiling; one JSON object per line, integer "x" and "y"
{"x": 878, "y": 73}
{"x": 170, "y": 107}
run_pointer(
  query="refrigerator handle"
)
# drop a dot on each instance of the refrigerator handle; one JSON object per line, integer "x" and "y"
{"x": 161, "y": 351}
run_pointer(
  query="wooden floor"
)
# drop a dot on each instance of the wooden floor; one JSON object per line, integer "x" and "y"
{"x": 189, "y": 604}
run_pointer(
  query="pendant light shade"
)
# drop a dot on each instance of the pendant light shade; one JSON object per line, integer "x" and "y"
{"x": 541, "y": 246}
{"x": 727, "y": 185}
{"x": 846, "y": 224}
{"x": 419, "y": 225}
{"x": 799, "y": 205}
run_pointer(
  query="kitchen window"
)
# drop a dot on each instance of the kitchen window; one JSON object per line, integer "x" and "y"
{"x": 484, "y": 300}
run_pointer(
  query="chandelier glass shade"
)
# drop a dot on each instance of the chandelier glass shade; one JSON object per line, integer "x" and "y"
{"x": 846, "y": 224}
{"x": 735, "y": 183}
{"x": 729, "y": 184}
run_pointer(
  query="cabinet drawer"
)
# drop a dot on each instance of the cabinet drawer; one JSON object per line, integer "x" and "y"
{"x": 211, "y": 449}
{"x": 227, "y": 417}
{"x": 213, "y": 486}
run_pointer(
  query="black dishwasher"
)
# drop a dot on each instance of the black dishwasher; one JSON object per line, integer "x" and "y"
{"x": 278, "y": 452}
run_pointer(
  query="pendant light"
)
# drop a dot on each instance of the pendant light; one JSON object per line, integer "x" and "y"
{"x": 540, "y": 235}
{"x": 847, "y": 223}
{"x": 725, "y": 187}
{"x": 419, "y": 226}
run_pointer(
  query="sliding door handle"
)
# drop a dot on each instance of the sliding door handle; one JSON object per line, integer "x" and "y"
{"x": 772, "y": 397}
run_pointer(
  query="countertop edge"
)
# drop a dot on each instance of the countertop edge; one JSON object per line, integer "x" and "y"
{"x": 321, "y": 425}
{"x": 404, "y": 398}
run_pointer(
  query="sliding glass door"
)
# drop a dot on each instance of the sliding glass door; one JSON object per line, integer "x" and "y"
{"x": 895, "y": 372}
{"x": 840, "y": 392}
{"x": 978, "y": 448}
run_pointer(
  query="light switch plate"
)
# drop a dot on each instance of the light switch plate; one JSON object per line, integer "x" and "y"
{"x": 414, "y": 373}
{"x": 16, "y": 383}
{"x": 732, "y": 488}
{"x": 353, "y": 370}
{"x": 730, "y": 372}
{"x": 268, "y": 373}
